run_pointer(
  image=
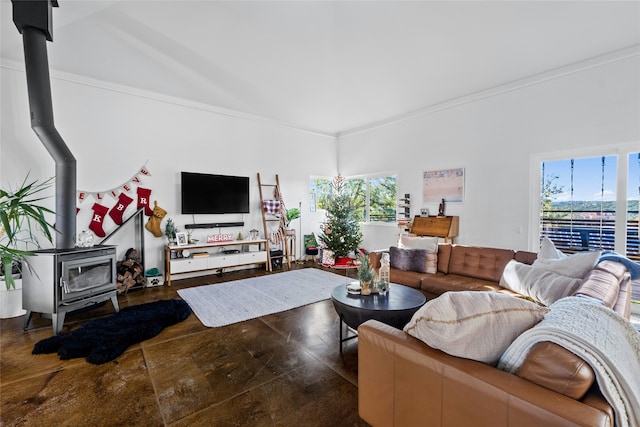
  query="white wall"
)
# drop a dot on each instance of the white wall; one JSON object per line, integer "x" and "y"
{"x": 114, "y": 131}
{"x": 493, "y": 138}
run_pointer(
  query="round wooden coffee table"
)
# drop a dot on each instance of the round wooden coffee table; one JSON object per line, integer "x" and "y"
{"x": 395, "y": 308}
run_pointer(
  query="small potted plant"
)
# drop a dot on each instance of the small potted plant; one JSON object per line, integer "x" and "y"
{"x": 366, "y": 273}
{"x": 170, "y": 231}
{"x": 293, "y": 213}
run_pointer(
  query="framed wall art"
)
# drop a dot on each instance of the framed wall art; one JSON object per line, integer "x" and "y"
{"x": 447, "y": 184}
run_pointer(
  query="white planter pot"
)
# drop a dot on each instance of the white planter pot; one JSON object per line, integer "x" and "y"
{"x": 11, "y": 300}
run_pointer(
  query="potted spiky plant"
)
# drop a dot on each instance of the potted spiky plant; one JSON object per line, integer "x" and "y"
{"x": 293, "y": 213}
{"x": 22, "y": 221}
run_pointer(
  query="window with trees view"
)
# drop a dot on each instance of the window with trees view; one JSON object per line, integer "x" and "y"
{"x": 374, "y": 198}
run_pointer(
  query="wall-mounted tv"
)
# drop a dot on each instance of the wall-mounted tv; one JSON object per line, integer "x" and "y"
{"x": 214, "y": 194}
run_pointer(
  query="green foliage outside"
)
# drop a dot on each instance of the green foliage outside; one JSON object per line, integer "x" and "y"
{"x": 382, "y": 196}
{"x": 550, "y": 189}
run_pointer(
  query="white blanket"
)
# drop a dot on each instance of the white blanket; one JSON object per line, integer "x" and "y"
{"x": 602, "y": 338}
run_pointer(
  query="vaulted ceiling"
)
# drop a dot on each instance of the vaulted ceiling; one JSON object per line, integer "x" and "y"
{"x": 326, "y": 66}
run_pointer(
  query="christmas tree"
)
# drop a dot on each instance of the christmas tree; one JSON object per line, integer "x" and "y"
{"x": 341, "y": 232}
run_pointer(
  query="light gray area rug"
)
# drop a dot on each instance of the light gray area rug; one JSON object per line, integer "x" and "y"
{"x": 231, "y": 302}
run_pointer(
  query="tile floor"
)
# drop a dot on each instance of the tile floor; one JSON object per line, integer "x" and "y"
{"x": 283, "y": 369}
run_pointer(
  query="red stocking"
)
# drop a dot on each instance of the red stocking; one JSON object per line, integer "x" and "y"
{"x": 143, "y": 200}
{"x": 117, "y": 211}
{"x": 99, "y": 212}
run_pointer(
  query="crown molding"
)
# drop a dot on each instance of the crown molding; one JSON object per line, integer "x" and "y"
{"x": 619, "y": 55}
{"x": 154, "y": 96}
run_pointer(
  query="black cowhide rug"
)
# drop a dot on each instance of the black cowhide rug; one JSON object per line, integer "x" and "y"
{"x": 102, "y": 340}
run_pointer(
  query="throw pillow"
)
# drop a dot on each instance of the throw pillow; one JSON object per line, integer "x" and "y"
{"x": 576, "y": 265}
{"x": 408, "y": 259}
{"x": 431, "y": 263}
{"x": 548, "y": 250}
{"x": 472, "y": 324}
{"x": 541, "y": 285}
{"x": 429, "y": 243}
{"x": 413, "y": 242}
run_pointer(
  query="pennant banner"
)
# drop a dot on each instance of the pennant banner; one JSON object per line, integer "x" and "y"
{"x": 125, "y": 187}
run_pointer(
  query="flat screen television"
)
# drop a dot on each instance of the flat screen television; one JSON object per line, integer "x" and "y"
{"x": 214, "y": 194}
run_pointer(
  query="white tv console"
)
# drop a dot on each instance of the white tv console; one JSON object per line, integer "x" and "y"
{"x": 215, "y": 259}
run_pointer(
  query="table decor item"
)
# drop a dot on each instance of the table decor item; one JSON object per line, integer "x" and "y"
{"x": 384, "y": 273}
{"x": 365, "y": 273}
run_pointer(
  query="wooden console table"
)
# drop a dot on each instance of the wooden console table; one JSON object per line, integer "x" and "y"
{"x": 213, "y": 256}
{"x": 445, "y": 227}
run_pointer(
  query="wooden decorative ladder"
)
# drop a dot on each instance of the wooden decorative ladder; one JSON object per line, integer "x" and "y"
{"x": 281, "y": 220}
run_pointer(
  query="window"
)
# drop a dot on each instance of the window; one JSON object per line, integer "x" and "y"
{"x": 383, "y": 199}
{"x": 592, "y": 203}
{"x": 579, "y": 204}
{"x": 321, "y": 189}
{"x": 374, "y": 198}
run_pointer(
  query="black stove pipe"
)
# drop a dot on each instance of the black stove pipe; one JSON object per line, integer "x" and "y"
{"x": 41, "y": 107}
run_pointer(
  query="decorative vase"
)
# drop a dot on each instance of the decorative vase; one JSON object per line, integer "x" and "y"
{"x": 85, "y": 239}
{"x": 381, "y": 287}
{"x": 365, "y": 288}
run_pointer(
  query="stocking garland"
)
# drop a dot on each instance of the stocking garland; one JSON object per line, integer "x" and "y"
{"x": 124, "y": 198}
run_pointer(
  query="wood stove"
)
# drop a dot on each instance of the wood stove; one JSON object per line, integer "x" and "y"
{"x": 65, "y": 278}
{"x": 62, "y": 280}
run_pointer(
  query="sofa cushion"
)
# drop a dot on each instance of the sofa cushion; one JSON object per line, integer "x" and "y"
{"x": 603, "y": 282}
{"x": 525, "y": 257}
{"x": 609, "y": 282}
{"x": 440, "y": 283}
{"x": 541, "y": 285}
{"x": 480, "y": 263}
{"x": 557, "y": 369}
{"x": 444, "y": 256}
{"x": 406, "y": 278}
{"x": 473, "y": 325}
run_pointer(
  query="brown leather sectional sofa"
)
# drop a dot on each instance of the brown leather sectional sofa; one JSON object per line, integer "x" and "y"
{"x": 404, "y": 382}
{"x": 460, "y": 268}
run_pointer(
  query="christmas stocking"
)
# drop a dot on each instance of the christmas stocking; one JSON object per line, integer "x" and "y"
{"x": 153, "y": 225}
{"x": 116, "y": 212}
{"x": 99, "y": 212}
{"x": 143, "y": 200}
